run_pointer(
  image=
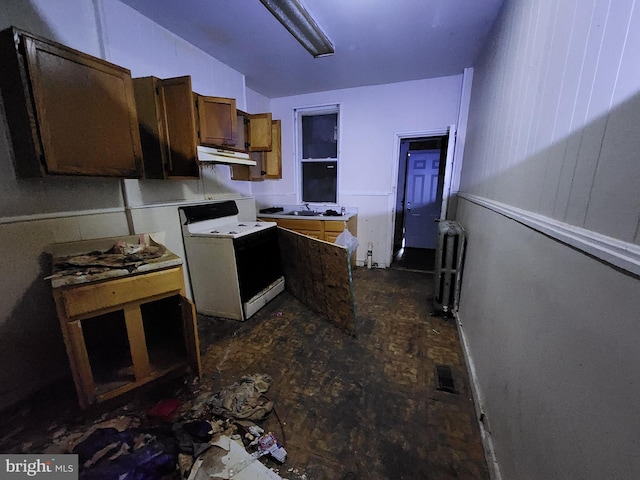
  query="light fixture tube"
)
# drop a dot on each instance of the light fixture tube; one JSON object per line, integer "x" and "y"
{"x": 295, "y": 18}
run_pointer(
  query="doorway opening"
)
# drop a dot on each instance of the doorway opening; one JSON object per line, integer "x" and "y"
{"x": 419, "y": 193}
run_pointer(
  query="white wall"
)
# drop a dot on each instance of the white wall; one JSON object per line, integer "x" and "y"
{"x": 256, "y": 103}
{"x": 550, "y": 199}
{"x": 371, "y": 118}
{"x": 37, "y": 212}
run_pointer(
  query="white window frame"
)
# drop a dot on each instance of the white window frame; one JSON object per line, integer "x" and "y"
{"x": 316, "y": 110}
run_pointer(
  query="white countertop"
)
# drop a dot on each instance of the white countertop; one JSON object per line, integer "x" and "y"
{"x": 343, "y": 218}
{"x": 350, "y": 212}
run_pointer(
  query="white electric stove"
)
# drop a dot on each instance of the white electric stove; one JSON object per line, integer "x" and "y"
{"x": 227, "y": 227}
{"x": 234, "y": 266}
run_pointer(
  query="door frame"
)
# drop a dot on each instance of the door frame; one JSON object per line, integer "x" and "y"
{"x": 448, "y": 175}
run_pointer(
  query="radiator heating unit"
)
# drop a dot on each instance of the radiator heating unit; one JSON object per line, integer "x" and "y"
{"x": 448, "y": 266}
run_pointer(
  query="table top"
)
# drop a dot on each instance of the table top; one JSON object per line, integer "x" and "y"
{"x": 108, "y": 258}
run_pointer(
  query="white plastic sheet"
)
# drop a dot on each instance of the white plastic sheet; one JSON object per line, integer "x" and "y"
{"x": 346, "y": 239}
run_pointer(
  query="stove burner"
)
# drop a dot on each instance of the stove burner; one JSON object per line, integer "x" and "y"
{"x": 228, "y": 226}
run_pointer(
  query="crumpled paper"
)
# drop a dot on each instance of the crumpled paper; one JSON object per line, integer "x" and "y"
{"x": 244, "y": 399}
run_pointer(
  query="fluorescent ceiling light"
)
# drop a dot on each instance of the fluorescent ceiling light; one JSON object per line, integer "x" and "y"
{"x": 296, "y": 19}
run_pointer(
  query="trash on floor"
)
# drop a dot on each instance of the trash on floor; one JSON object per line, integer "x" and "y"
{"x": 242, "y": 400}
{"x": 229, "y": 460}
{"x": 165, "y": 409}
{"x": 209, "y": 437}
{"x": 133, "y": 453}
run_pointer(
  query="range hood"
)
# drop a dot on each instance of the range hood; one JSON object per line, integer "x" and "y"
{"x": 219, "y": 155}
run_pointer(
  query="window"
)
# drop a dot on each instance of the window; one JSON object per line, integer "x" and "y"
{"x": 318, "y": 151}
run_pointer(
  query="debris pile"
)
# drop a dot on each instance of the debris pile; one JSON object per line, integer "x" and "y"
{"x": 214, "y": 436}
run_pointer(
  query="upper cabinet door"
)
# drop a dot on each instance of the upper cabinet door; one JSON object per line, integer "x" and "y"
{"x": 217, "y": 120}
{"x": 81, "y": 111}
{"x": 268, "y": 164}
{"x": 259, "y": 138}
{"x": 167, "y": 127}
{"x": 254, "y": 132}
{"x": 273, "y": 158}
{"x": 153, "y": 128}
{"x": 181, "y": 127}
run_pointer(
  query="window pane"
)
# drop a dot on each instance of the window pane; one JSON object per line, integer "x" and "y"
{"x": 320, "y": 136}
{"x": 319, "y": 181}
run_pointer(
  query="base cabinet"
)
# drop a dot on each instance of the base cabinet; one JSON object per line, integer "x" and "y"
{"x": 327, "y": 230}
{"x": 123, "y": 333}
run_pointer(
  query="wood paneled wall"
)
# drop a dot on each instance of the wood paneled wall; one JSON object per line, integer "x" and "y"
{"x": 554, "y": 126}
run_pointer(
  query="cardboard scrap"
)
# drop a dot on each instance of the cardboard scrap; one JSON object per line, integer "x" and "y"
{"x": 217, "y": 462}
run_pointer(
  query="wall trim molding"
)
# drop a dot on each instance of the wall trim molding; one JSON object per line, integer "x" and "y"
{"x": 54, "y": 215}
{"x": 182, "y": 203}
{"x": 620, "y": 254}
{"x": 100, "y": 211}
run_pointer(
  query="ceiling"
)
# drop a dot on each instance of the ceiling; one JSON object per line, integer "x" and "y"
{"x": 376, "y": 41}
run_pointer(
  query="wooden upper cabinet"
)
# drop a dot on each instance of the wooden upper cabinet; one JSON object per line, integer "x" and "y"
{"x": 254, "y": 132}
{"x": 259, "y": 138}
{"x": 68, "y": 112}
{"x": 256, "y": 172}
{"x": 273, "y": 158}
{"x": 268, "y": 163}
{"x": 168, "y": 133}
{"x": 241, "y": 125}
{"x": 217, "y": 120}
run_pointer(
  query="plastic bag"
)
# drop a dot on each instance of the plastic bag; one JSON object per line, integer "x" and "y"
{"x": 346, "y": 239}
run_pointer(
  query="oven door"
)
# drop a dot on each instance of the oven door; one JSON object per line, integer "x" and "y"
{"x": 257, "y": 261}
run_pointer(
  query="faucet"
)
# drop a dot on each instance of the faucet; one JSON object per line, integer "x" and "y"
{"x": 306, "y": 204}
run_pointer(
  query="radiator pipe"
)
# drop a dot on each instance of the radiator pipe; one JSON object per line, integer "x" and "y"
{"x": 369, "y": 254}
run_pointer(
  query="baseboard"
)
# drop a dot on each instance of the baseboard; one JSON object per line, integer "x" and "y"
{"x": 483, "y": 420}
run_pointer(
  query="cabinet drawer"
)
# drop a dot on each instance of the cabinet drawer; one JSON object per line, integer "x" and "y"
{"x": 105, "y": 295}
{"x": 333, "y": 226}
{"x": 298, "y": 225}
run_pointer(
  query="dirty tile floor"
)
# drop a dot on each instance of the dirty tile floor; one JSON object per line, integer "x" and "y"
{"x": 364, "y": 407}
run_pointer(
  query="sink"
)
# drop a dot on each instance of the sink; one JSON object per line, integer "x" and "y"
{"x": 304, "y": 213}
